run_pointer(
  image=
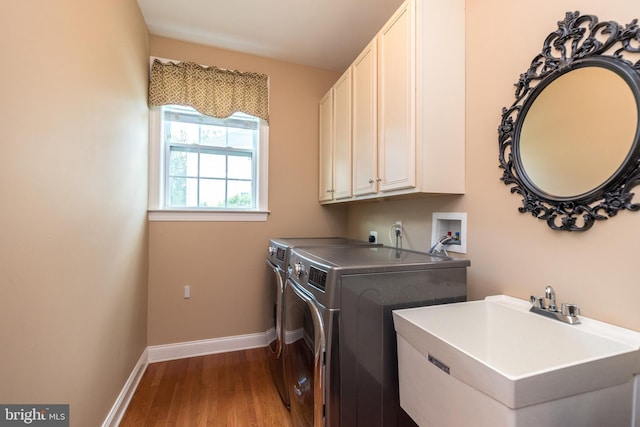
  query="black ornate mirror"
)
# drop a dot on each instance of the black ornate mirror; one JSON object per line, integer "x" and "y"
{"x": 570, "y": 143}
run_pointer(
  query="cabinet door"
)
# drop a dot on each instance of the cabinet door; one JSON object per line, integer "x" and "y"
{"x": 396, "y": 101}
{"x": 326, "y": 148}
{"x": 342, "y": 137}
{"x": 364, "y": 141}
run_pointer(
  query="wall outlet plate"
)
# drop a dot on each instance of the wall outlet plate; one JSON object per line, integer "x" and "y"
{"x": 397, "y": 227}
{"x": 373, "y": 237}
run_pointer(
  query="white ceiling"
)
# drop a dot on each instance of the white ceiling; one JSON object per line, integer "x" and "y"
{"x": 327, "y": 34}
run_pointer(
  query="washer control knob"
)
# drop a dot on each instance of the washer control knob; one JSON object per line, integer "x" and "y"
{"x": 271, "y": 251}
{"x": 298, "y": 270}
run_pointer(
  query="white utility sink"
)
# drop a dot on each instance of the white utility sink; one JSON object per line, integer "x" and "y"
{"x": 493, "y": 363}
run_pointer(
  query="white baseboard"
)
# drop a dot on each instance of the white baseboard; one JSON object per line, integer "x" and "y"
{"x": 160, "y": 353}
{"x": 122, "y": 402}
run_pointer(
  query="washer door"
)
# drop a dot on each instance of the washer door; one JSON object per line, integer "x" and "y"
{"x": 277, "y": 282}
{"x": 304, "y": 355}
{"x": 276, "y": 342}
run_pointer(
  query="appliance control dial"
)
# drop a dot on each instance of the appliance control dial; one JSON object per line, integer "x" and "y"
{"x": 271, "y": 251}
{"x": 298, "y": 270}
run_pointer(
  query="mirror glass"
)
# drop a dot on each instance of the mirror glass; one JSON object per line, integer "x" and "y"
{"x": 578, "y": 131}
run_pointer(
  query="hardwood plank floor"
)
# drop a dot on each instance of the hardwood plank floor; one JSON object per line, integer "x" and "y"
{"x": 227, "y": 389}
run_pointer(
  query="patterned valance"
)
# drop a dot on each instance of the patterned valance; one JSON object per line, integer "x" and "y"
{"x": 210, "y": 90}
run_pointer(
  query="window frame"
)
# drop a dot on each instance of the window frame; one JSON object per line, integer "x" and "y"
{"x": 157, "y": 181}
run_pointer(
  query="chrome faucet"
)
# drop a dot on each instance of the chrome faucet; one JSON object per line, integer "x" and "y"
{"x": 550, "y": 294}
{"x": 568, "y": 312}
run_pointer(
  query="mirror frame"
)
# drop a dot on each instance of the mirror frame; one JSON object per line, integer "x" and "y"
{"x": 579, "y": 41}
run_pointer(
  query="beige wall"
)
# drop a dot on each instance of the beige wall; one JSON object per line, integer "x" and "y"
{"x": 73, "y": 239}
{"x": 513, "y": 253}
{"x": 225, "y": 262}
{"x": 73, "y": 234}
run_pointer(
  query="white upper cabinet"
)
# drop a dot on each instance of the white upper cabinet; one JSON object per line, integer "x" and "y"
{"x": 335, "y": 142}
{"x": 396, "y": 102}
{"x": 342, "y": 137}
{"x": 364, "y": 121}
{"x": 440, "y": 91}
{"x": 407, "y": 107}
{"x": 326, "y": 148}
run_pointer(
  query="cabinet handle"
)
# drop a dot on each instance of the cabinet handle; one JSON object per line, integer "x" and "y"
{"x": 371, "y": 181}
{"x": 378, "y": 179}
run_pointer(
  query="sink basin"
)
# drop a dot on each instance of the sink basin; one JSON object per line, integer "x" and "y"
{"x": 501, "y": 355}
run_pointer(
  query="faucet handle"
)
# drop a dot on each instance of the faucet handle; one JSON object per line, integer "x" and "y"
{"x": 537, "y": 302}
{"x": 571, "y": 310}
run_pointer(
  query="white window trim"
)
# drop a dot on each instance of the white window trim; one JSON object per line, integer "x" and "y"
{"x": 157, "y": 212}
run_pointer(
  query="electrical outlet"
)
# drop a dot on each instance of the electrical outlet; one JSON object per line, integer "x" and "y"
{"x": 398, "y": 228}
{"x": 373, "y": 237}
{"x": 187, "y": 292}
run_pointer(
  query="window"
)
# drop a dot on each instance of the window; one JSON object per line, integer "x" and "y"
{"x": 211, "y": 163}
{"x": 206, "y": 168}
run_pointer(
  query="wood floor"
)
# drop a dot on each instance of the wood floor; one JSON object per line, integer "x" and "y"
{"x": 228, "y": 389}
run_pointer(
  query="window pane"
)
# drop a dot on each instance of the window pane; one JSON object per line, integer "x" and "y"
{"x": 241, "y": 138}
{"x": 183, "y": 163}
{"x": 212, "y": 193}
{"x": 177, "y": 192}
{"x": 214, "y": 135}
{"x": 178, "y": 163}
{"x": 192, "y": 164}
{"x": 240, "y": 167}
{"x": 183, "y": 133}
{"x": 212, "y": 165}
{"x": 182, "y": 192}
{"x": 192, "y": 192}
{"x": 239, "y": 194}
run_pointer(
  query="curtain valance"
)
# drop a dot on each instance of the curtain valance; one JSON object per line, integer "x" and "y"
{"x": 212, "y": 91}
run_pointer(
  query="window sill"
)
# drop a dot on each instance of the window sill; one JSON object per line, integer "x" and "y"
{"x": 206, "y": 215}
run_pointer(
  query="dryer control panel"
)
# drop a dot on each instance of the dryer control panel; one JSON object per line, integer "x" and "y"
{"x": 318, "y": 278}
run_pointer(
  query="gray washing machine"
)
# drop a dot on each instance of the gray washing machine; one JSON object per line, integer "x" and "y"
{"x": 277, "y": 262}
{"x": 339, "y": 341}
